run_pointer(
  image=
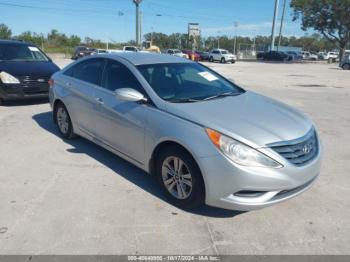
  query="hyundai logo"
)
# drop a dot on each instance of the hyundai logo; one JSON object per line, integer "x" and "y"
{"x": 307, "y": 148}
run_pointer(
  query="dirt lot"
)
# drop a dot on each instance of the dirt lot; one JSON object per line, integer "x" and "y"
{"x": 72, "y": 197}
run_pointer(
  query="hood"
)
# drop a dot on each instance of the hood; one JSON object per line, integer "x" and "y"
{"x": 250, "y": 118}
{"x": 29, "y": 68}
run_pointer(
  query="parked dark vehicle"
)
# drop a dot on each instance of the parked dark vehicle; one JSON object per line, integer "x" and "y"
{"x": 260, "y": 55}
{"x": 203, "y": 56}
{"x": 82, "y": 51}
{"x": 24, "y": 71}
{"x": 275, "y": 56}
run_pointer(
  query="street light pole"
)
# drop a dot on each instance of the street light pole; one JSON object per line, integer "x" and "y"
{"x": 273, "y": 26}
{"x": 281, "y": 27}
{"x": 137, "y": 4}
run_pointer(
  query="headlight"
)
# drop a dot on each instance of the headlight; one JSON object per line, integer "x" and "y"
{"x": 6, "y": 78}
{"x": 239, "y": 152}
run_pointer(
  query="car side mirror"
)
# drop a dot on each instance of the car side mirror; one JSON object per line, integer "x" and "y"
{"x": 130, "y": 94}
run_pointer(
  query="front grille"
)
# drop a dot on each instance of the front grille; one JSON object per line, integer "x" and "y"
{"x": 34, "y": 83}
{"x": 299, "y": 151}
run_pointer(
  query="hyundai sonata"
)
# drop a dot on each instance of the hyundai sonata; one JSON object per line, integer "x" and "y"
{"x": 206, "y": 139}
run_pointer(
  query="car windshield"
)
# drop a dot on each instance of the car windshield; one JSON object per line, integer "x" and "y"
{"x": 20, "y": 52}
{"x": 224, "y": 52}
{"x": 187, "y": 82}
{"x": 177, "y": 51}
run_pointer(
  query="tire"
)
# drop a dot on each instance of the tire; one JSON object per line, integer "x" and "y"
{"x": 233, "y": 61}
{"x": 63, "y": 121}
{"x": 223, "y": 61}
{"x": 211, "y": 59}
{"x": 1, "y": 102}
{"x": 185, "y": 191}
{"x": 346, "y": 66}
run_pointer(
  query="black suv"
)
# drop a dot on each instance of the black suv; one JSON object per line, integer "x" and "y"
{"x": 275, "y": 56}
{"x": 24, "y": 71}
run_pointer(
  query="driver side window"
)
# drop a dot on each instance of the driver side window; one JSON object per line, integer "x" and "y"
{"x": 117, "y": 75}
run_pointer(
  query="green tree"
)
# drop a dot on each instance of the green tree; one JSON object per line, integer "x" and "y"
{"x": 5, "y": 32}
{"x": 329, "y": 17}
{"x": 31, "y": 37}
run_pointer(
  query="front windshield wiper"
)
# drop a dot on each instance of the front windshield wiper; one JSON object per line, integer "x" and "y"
{"x": 184, "y": 100}
{"x": 222, "y": 95}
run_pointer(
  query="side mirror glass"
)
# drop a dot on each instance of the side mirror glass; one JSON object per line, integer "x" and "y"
{"x": 129, "y": 94}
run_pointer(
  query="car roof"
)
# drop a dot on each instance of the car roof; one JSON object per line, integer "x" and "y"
{"x": 10, "y": 41}
{"x": 139, "y": 58}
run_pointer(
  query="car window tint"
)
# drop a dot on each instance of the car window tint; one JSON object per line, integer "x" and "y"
{"x": 89, "y": 71}
{"x": 118, "y": 76}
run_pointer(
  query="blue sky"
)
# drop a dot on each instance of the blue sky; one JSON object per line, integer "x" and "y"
{"x": 115, "y": 19}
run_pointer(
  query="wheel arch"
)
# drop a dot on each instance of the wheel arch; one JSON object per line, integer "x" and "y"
{"x": 168, "y": 143}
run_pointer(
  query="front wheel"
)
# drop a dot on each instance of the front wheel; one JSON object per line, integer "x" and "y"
{"x": 180, "y": 178}
{"x": 223, "y": 60}
{"x": 211, "y": 59}
{"x": 346, "y": 66}
{"x": 63, "y": 121}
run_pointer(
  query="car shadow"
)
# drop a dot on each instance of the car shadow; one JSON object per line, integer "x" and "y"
{"x": 123, "y": 168}
{"x": 27, "y": 102}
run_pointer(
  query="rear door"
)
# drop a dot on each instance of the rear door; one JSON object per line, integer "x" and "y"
{"x": 120, "y": 124}
{"x": 80, "y": 81}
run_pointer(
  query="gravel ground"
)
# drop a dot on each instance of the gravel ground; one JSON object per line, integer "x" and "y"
{"x": 73, "y": 197}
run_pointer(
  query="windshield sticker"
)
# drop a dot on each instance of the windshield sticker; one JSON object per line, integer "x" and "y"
{"x": 208, "y": 76}
{"x": 33, "y": 48}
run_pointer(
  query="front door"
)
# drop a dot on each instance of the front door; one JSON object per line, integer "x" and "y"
{"x": 120, "y": 124}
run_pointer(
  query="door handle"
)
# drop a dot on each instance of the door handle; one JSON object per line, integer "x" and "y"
{"x": 99, "y": 101}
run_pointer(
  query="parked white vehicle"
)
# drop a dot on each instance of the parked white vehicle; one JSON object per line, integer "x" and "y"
{"x": 222, "y": 55}
{"x": 176, "y": 52}
{"x": 308, "y": 56}
{"x": 330, "y": 55}
{"x": 99, "y": 51}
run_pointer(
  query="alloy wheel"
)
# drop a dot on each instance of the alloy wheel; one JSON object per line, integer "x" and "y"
{"x": 62, "y": 120}
{"x": 176, "y": 177}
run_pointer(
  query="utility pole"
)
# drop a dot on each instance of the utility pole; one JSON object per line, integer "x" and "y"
{"x": 137, "y": 4}
{"x": 273, "y": 26}
{"x": 140, "y": 31}
{"x": 219, "y": 39}
{"x": 235, "y": 24}
{"x": 281, "y": 26}
{"x": 42, "y": 41}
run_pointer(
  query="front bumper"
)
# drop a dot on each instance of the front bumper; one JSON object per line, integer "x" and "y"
{"x": 230, "y": 59}
{"x": 20, "y": 92}
{"x": 236, "y": 187}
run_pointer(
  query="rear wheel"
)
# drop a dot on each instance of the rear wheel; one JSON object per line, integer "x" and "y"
{"x": 180, "y": 178}
{"x": 346, "y": 66}
{"x": 211, "y": 59}
{"x": 63, "y": 121}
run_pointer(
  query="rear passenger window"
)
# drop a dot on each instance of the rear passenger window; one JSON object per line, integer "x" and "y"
{"x": 89, "y": 71}
{"x": 119, "y": 76}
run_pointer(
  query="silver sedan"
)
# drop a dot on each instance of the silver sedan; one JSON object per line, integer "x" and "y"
{"x": 204, "y": 138}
